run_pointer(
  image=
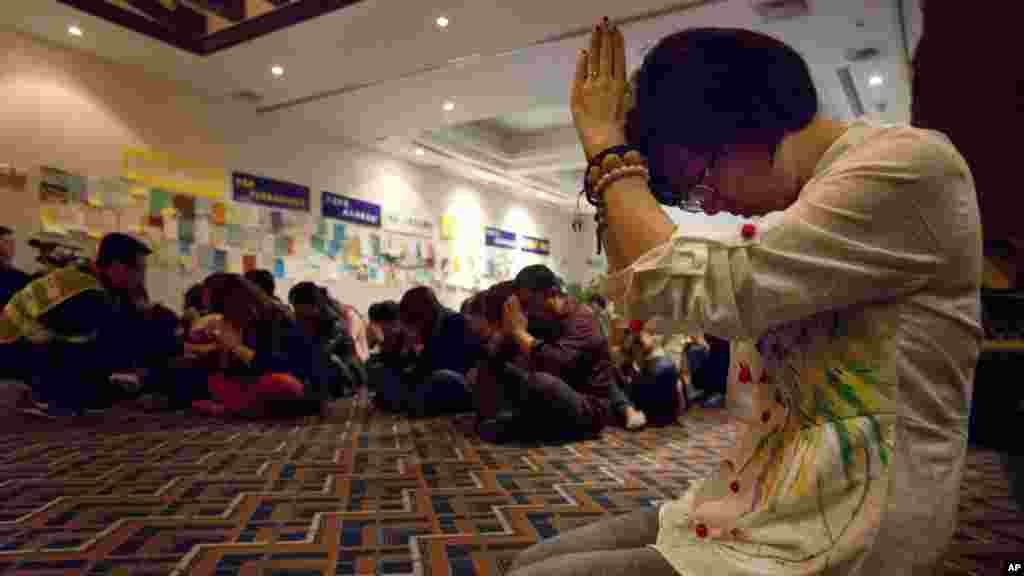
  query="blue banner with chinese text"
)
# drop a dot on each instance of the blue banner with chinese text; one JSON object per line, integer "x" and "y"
{"x": 273, "y": 193}
{"x": 350, "y": 209}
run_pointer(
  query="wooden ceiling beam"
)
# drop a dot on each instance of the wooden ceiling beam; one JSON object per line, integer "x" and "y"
{"x": 233, "y": 10}
{"x": 180, "y": 19}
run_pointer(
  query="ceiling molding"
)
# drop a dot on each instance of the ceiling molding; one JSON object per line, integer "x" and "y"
{"x": 180, "y": 27}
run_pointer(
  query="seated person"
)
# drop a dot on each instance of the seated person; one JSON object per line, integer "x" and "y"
{"x": 392, "y": 356}
{"x": 195, "y": 305}
{"x": 323, "y": 325}
{"x": 651, "y": 378}
{"x": 264, "y": 279}
{"x": 12, "y": 280}
{"x": 67, "y": 332}
{"x": 712, "y": 370}
{"x": 437, "y": 383}
{"x": 569, "y": 379}
{"x": 267, "y": 366}
{"x": 355, "y": 324}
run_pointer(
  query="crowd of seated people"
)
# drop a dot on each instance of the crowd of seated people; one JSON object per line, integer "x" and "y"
{"x": 86, "y": 337}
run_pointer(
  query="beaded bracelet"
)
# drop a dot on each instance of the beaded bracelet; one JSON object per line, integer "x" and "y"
{"x": 618, "y": 174}
{"x": 603, "y": 170}
{"x": 606, "y": 162}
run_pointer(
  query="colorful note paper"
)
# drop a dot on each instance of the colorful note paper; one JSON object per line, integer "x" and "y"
{"x": 201, "y": 230}
{"x": 159, "y": 200}
{"x": 279, "y": 271}
{"x": 186, "y": 230}
{"x": 220, "y": 260}
{"x": 234, "y": 261}
{"x": 339, "y": 232}
{"x": 218, "y": 213}
{"x": 282, "y": 246}
{"x": 276, "y": 222}
{"x": 202, "y": 206}
{"x": 185, "y": 205}
{"x": 205, "y": 257}
{"x": 234, "y": 235}
{"x": 318, "y": 245}
{"x": 218, "y": 236}
{"x": 249, "y": 263}
{"x": 321, "y": 228}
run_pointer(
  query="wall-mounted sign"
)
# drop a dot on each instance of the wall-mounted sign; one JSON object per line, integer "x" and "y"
{"x": 161, "y": 170}
{"x": 350, "y": 209}
{"x": 536, "y": 245}
{"x": 409, "y": 223}
{"x": 499, "y": 238}
{"x": 267, "y": 192}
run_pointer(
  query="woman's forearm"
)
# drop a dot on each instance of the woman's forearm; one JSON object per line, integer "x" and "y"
{"x": 636, "y": 222}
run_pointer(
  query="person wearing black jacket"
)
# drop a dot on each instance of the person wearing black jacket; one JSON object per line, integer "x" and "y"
{"x": 11, "y": 279}
{"x": 328, "y": 330}
{"x": 393, "y": 357}
{"x": 437, "y": 382}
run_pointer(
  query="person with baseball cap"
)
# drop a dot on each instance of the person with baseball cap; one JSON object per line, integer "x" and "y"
{"x": 567, "y": 377}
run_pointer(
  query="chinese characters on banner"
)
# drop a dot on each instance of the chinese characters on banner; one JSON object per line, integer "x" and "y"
{"x": 273, "y": 193}
{"x": 351, "y": 210}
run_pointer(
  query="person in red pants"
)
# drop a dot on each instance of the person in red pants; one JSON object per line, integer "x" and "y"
{"x": 266, "y": 364}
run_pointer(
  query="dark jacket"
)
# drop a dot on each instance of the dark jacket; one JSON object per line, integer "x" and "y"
{"x": 281, "y": 346}
{"x": 12, "y": 280}
{"x": 579, "y": 355}
{"x": 450, "y": 346}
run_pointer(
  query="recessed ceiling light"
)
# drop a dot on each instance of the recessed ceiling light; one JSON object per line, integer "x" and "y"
{"x": 875, "y": 80}
{"x": 449, "y": 106}
{"x": 420, "y": 152}
{"x": 442, "y": 22}
{"x": 277, "y": 71}
{"x": 74, "y": 30}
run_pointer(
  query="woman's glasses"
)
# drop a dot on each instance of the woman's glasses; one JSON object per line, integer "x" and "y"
{"x": 699, "y": 195}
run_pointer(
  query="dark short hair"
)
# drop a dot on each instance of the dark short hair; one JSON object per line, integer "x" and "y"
{"x": 707, "y": 88}
{"x": 306, "y": 293}
{"x": 194, "y": 297}
{"x": 5, "y": 231}
{"x": 120, "y": 248}
{"x": 383, "y": 312}
{"x": 419, "y": 304}
{"x": 538, "y": 278}
{"x": 262, "y": 278}
{"x": 495, "y": 298}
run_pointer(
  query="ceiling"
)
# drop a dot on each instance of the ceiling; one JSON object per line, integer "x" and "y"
{"x": 379, "y": 72}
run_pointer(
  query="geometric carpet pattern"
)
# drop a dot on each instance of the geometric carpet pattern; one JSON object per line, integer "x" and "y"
{"x": 129, "y": 493}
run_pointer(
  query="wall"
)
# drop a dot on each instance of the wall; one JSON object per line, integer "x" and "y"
{"x": 76, "y": 112}
{"x": 395, "y": 184}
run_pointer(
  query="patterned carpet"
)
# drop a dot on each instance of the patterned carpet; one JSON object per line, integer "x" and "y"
{"x": 140, "y": 494}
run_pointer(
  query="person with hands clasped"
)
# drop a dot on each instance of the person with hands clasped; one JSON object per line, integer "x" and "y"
{"x": 859, "y": 283}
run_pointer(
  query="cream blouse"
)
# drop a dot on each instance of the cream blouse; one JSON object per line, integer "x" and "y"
{"x": 862, "y": 303}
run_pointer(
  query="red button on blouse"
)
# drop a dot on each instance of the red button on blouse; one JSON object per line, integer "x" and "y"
{"x": 735, "y": 487}
{"x": 748, "y": 231}
{"x": 702, "y": 531}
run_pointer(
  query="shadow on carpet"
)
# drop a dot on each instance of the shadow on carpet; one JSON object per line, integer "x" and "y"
{"x": 130, "y": 493}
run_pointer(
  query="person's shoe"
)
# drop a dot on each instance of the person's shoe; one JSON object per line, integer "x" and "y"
{"x": 502, "y": 429}
{"x": 715, "y": 401}
{"x": 635, "y": 419}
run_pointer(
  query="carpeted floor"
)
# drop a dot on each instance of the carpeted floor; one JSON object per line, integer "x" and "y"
{"x": 133, "y": 493}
